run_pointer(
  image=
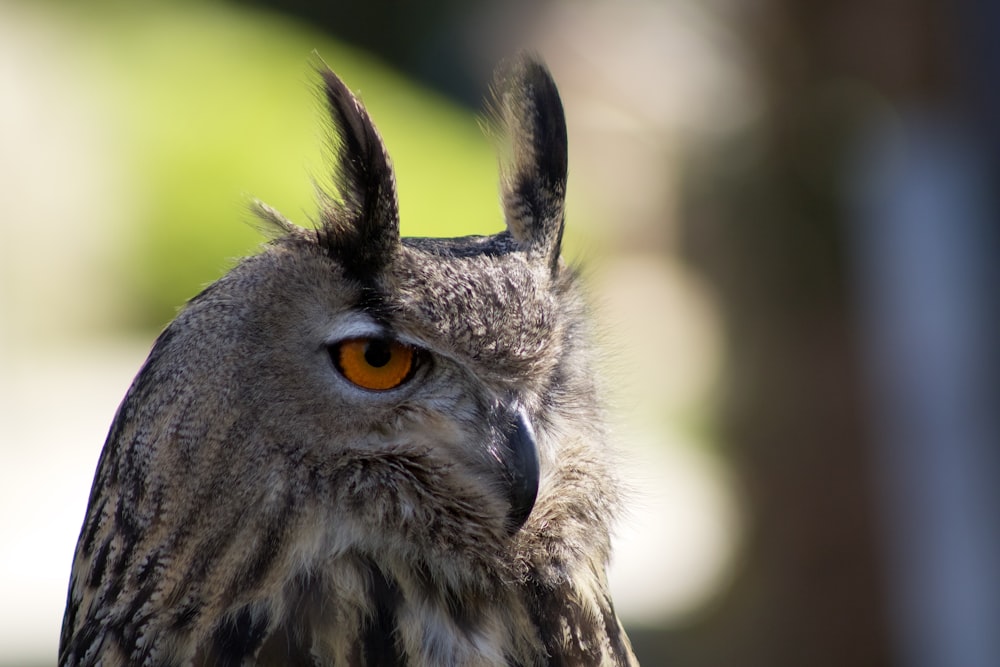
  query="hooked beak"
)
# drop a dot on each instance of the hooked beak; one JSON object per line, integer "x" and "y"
{"x": 517, "y": 453}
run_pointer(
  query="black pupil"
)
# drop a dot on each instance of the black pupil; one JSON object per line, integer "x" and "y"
{"x": 377, "y": 353}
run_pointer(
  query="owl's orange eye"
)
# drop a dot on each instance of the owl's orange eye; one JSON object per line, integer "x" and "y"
{"x": 374, "y": 363}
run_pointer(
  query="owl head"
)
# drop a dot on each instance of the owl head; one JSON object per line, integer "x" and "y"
{"x": 416, "y": 371}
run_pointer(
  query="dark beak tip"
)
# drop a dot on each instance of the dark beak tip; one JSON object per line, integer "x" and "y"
{"x": 523, "y": 470}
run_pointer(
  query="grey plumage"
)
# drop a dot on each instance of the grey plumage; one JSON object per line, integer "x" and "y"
{"x": 256, "y": 504}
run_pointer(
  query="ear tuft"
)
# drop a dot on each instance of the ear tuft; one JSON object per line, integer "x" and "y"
{"x": 360, "y": 222}
{"x": 273, "y": 222}
{"x": 533, "y": 177}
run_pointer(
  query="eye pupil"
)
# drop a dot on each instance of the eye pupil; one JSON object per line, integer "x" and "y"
{"x": 378, "y": 353}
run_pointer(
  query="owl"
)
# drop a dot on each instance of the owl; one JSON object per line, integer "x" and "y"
{"x": 360, "y": 449}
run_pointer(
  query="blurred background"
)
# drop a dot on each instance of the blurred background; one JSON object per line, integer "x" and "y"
{"x": 787, "y": 215}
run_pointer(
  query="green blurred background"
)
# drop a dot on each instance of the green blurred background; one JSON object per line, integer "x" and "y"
{"x": 205, "y": 105}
